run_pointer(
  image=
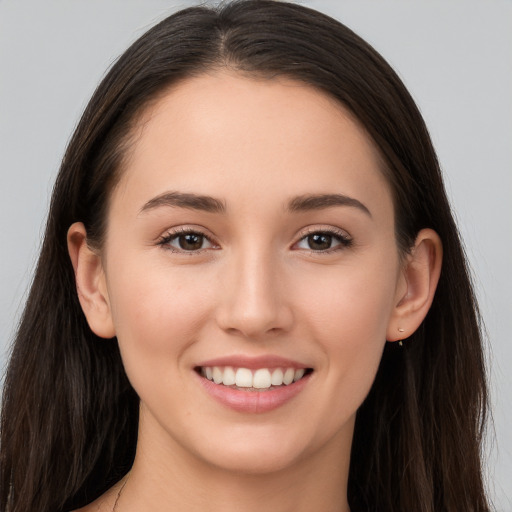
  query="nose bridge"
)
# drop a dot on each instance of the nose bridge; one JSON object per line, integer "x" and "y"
{"x": 254, "y": 303}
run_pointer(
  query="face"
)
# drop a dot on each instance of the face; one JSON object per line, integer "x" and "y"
{"x": 250, "y": 242}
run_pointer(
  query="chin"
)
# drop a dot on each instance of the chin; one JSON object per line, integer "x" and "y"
{"x": 258, "y": 450}
{"x": 242, "y": 448}
{"x": 252, "y": 460}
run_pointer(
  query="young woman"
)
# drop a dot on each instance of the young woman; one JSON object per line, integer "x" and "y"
{"x": 251, "y": 293}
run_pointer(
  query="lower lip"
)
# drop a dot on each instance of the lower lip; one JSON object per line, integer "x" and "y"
{"x": 255, "y": 402}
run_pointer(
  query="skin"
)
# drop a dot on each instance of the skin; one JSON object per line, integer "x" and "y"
{"x": 256, "y": 288}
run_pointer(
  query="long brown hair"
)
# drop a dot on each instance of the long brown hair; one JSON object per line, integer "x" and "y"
{"x": 69, "y": 416}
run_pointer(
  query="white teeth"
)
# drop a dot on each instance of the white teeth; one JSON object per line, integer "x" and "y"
{"x": 277, "y": 377}
{"x": 288, "y": 376}
{"x": 262, "y": 378}
{"x": 298, "y": 374}
{"x": 229, "y": 376}
{"x": 243, "y": 378}
{"x": 217, "y": 375}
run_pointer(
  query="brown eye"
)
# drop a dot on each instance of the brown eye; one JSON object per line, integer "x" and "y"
{"x": 191, "y": 242}
{"x": 324, "y": 241}
{"x": 319, "y": 242}
{"x": 186, "y": 242}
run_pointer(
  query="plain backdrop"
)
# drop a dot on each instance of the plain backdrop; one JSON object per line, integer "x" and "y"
{"x": 455, "y": 56}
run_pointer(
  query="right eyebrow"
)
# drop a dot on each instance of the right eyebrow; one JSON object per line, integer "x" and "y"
{"x": 185, "y": 200}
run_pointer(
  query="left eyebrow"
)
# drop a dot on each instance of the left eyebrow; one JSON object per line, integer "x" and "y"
{"x": 184, "y": 200}
{"x": 321, "y": 201}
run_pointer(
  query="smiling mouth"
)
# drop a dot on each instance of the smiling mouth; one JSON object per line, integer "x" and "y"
{"x": 245, "y": 379}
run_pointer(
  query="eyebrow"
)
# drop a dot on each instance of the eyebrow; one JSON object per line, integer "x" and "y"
{"x": 320, "y": 201}
{"x": 210, "y": 204}
{"x": 184, "y": 200}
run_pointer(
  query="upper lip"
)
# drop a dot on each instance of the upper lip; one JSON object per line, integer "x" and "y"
{"x": 253, "y": 363}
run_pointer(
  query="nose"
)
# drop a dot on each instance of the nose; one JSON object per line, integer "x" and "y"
{"x": 254, "y": 302}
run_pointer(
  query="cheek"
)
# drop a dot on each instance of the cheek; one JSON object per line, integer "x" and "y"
{"x": 348, "y": 314}
{"x": 157, "y": 314}
{"x": 352, "y": 303}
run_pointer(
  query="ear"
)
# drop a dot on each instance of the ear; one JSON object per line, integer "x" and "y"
{"x": 90, "y": 282}
{"x": 415, "y": 293}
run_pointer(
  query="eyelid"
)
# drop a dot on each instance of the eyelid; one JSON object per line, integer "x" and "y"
{"x": 322, "y": 228}
{"x": 343, "y": 235}
{"x": 174, "y": 232}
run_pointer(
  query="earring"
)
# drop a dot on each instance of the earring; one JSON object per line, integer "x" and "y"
{"x": 400, "y": 342}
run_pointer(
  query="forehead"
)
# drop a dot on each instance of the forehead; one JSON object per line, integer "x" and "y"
{"x": 224, "y": 133}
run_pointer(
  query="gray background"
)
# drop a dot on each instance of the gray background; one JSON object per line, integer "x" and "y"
{"x": 454, "y": 55}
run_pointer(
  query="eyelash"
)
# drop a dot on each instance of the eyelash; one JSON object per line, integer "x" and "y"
{"x": 166, "y": 239}
{"x": 340, "y": 236}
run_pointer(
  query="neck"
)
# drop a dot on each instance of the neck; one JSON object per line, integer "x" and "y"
{"x": 166, "y": 477}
